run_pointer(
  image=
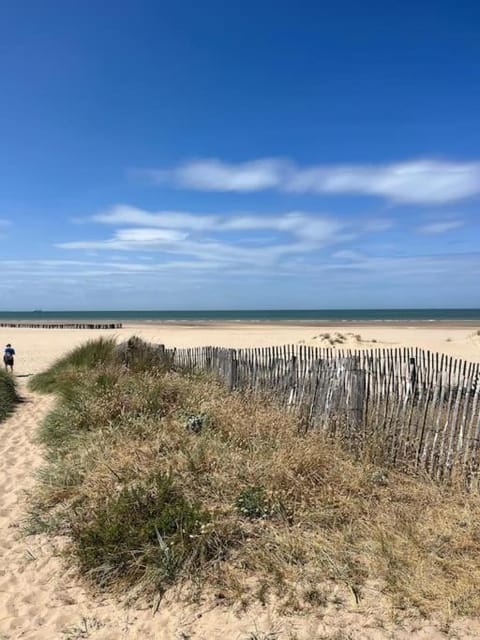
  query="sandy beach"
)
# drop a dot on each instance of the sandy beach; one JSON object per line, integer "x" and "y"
{"x": 38, "y": 348}
{"x": 42, "y": 599}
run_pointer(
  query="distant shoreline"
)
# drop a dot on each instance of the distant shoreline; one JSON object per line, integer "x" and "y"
{"x": 22, "y": 322}
{"x": 278, "y": 317}
{"x": 36, "y": 348}
{"x": 320, "y": 324}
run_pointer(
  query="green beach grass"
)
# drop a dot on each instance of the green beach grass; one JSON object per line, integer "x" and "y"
{"x": 161, "y": 478}
{"x": 8, "y": 395}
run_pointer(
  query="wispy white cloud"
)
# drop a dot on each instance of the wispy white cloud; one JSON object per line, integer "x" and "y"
{"x": 84, "y": 268}
{"x": 307, "y": 226}
{"x": 44, "y": 266}
{"x": 442, "y": 226}
{"x": 299, "y": 223}
{"x": 206, "y": 237}
{"x": 235, "y": 241}
{"x": 215, "y": 175}
{"x": 423, "y": 181}
{"x": 126, "y": 215}
{"x": 130, "y": 239}
{"x": 349, "y": 271}
{"x": 145, "y": 251}
{"x": 416, "y": 181}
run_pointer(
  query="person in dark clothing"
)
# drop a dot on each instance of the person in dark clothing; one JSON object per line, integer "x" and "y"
{"x": 8, "y": 357}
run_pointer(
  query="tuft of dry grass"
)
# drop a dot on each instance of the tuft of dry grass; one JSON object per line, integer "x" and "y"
{"x": 84, "y": 629}
{"x": 338, "y": 338}
{"x": 247, "y": 505}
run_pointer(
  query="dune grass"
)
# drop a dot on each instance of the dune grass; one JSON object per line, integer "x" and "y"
{"x": 94, "y": 353}
{"x": 103, "y": 354}
{"x": 8, "y": 394}
{"x": 246, "y": 505}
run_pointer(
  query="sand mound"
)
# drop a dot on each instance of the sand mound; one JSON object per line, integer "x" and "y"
{"x": 41, "y": 599}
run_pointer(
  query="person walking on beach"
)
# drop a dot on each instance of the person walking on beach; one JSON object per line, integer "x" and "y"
{"x": 8, "y": 357}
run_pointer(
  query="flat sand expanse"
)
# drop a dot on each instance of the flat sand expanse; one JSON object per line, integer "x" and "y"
{"x": 37, "y": 348}
{"x": 42, "y": 599}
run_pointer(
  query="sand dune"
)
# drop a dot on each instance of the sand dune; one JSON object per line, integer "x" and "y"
{"x": 42, "y": 599}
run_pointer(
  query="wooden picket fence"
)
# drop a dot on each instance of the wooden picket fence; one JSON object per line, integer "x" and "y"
{"x": 408, "y": 407}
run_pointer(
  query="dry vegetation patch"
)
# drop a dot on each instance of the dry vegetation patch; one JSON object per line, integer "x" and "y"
{"x": 162, "y": 477}
{"x": 338, "y": 339}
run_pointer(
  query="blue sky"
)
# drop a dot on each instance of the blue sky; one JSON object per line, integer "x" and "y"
{"x": 267, "y": 154}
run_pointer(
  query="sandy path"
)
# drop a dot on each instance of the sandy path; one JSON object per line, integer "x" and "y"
{"x": 41, "y": 599}
{"x": 32, "y": 596}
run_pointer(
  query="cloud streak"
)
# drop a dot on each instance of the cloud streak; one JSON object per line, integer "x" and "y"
{"x": 132, "y": 216}
{"x": 343, "y": 268}
{"x": 237, "y": 241}
{"x": 436, "y": 228}
{"x": 298, "y": 223}
{"x": 234, "y": 241}
{"x": 217, "y": 254}
{"x": 140, "y": 228}
{"x": 416, "y": 181}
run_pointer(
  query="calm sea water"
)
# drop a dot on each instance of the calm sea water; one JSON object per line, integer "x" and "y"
{"x": 290, "y": 315}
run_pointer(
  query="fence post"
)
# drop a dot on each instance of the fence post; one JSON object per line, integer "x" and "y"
{"x": 357, "y": 394}
{"x": 233, "y": 369}
{"x": 413, "y": 376}
{"x": 293, "y": 381}
{"x": 208, "y": 358}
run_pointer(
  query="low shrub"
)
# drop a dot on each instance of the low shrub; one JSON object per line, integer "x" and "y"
{"x": 146, "y": 524}
{"x": 255, "y": 502}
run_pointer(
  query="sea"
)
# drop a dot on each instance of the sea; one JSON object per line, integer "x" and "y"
{"x": 254, "y": 315}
